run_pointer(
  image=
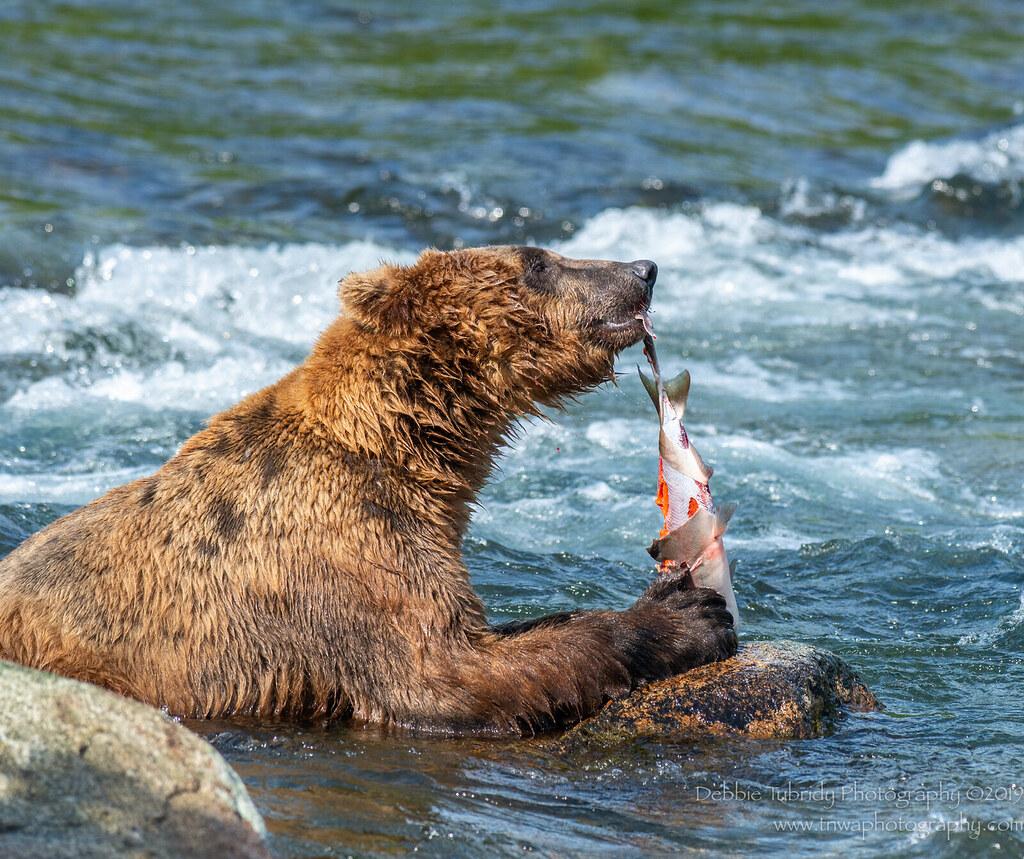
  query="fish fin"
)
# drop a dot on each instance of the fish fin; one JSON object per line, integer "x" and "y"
{"x": 678, "y": 389}
{"x": 722, "y": 517}
{"x": 732, "y": 570}
{"x": 651, "y": 386}
{"x": 687, "y": 542}
{"x": 654, "y": 550}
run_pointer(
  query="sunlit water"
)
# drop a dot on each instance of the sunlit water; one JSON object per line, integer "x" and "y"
{"x": 834, "y": 200}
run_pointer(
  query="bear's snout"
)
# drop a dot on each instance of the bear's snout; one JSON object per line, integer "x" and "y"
{"x": 646, "y": 270}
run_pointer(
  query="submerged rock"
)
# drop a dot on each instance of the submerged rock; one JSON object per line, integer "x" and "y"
{"x": 769, "y": 690}
{"x": 87, "y": 773}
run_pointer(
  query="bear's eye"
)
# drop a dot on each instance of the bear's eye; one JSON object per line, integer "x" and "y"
{"x": 537, "y": 271}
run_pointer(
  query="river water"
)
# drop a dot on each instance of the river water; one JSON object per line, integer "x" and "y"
{"x": 833, "y": 193}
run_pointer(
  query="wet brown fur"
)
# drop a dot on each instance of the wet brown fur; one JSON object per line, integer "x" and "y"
{"x": 301, "y": 555}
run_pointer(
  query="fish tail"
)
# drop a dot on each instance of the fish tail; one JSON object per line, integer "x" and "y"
{"x": 651, "y": 386}
{"x": 678, "y": 390}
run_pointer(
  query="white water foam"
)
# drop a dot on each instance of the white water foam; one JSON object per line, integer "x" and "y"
{"x": 999, "y": 157}
{"x": 891, "y": 476}
{"x": 203, "y": 326}
{"x": 64, "y": 487}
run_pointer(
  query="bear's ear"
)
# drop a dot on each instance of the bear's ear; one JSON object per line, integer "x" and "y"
{"x": 384, "y": 299}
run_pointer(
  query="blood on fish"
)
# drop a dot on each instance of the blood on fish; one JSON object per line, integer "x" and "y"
{"x": 661, "y": 499}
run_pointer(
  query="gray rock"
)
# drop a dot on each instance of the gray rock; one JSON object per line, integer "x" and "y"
{"x": 769, "y": 690}
{"x": 87, "y": 773}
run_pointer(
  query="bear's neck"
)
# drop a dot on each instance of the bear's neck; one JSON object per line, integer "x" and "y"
{"x": 430, "y": 420}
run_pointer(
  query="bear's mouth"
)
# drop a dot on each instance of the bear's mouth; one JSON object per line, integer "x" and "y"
{"x": 620, "y": 333}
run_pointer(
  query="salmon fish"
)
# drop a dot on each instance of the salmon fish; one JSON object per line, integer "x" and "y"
{"x": 691, "y": 538}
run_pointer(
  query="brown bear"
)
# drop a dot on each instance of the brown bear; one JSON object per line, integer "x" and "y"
{"x": 301, "y": 556}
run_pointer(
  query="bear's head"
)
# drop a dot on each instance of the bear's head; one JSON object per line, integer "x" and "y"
{"x": 529, "y": 323}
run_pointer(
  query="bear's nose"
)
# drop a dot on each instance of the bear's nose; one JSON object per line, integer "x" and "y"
{"x": 646, "y": 270}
